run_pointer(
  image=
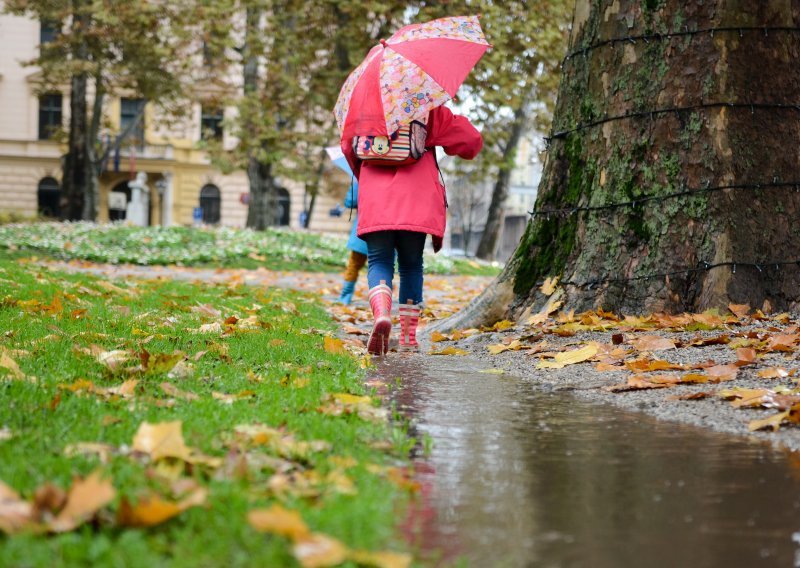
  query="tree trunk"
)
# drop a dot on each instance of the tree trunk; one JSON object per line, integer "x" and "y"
{"x": 262, "y": 212}
{"x": 671, "y": 178}
{"x": 487, "y": 247}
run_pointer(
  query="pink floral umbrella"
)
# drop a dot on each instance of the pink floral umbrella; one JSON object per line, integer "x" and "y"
{"x": 417, "y": 69}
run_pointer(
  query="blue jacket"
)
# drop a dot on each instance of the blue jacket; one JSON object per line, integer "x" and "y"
{"x": 351, "y": 202}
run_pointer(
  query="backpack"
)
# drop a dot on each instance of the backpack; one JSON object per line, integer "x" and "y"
{"x": 403, "y": 147}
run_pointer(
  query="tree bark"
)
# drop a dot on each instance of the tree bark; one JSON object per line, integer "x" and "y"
{"x": 671, "y": 178}
{"x": 77, "y": 167}
{"x": 487, "y": 247}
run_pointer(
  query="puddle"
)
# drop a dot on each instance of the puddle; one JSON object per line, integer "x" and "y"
{"x": 520, "y": 478}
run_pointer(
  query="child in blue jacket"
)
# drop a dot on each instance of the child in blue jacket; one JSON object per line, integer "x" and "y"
{"x": 358, "y": 249}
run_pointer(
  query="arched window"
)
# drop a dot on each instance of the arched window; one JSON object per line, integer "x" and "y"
{"x": 210, "y": 204}
{"x": 283, "y": 207}
{"x": 48, "y": 198}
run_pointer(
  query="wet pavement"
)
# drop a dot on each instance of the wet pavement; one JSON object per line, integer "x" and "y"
{"x": 517, "y": 477}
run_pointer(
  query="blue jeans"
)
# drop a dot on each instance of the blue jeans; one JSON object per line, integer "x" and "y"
{"x": 381, "y": 246}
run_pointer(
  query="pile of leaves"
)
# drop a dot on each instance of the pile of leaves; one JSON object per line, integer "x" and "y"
{"x": 273, "y": 248}
{"x": 152, "y": 422}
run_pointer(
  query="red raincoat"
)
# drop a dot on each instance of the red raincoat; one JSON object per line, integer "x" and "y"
{"x": 412, "y": 198}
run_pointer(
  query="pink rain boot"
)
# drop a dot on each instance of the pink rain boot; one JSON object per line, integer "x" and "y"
{"x": 409, "y": 319}
{"x": 380, "y": 300}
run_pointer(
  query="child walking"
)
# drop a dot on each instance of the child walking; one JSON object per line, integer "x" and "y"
{"x": 398, "y": 208}
{"x": 357, "y": 247}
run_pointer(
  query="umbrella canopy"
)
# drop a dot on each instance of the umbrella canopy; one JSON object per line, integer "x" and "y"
{"x": 417, "y": 69}
{"x": 337, "y": 157}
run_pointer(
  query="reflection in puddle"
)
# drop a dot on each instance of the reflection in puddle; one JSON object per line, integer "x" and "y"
{"x": 518, "y": 478}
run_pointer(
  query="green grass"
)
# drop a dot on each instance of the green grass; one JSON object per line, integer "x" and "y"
{"x": 274, "y": 249}
{"x": 282, "y": 360}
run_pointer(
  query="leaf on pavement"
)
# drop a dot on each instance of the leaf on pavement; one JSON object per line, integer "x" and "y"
{"x": 745, "y": 356}
{"x": 773, "y": 422}
{"x": 719, "y": 373}
{"x": 436, "y": 337}
{"x": 739, "y": 310}
{"x": 774, "y": 373}
{"x": 449, "y": 351}
{"x": 565, "y": 358}
{"x": 652, "y": 343}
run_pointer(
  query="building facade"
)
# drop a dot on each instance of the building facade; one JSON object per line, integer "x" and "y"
{"x": 181, "y": 185}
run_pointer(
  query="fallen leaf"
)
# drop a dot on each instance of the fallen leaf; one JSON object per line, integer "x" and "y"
{"x": 436, "y": 337}
{"x": 152, "y": 510}
{"x": 773, "y": 422}
{"x": 773, "y": 373}
{"x": 565, "y": 358}
{"x": 739, "y": 310}
{"x": 280, "y": 521}
{"x": 652, "y": 343}
{"x": 11, "y": 367}
{"x": 172, "y": 390}
{"x": 380, "y": 559}
{"x": 449, "y": 351}
{"x": 549, "y": 286}
{"x": 317, "y": 550}
{"x": 333, "y": 345}
{"x": 85, "y": 498}
{"x": 720, "y": 373}
{"x": 161, "y": 440}
{"x": 745, "y": 356}
{"x": 15, "y": 513}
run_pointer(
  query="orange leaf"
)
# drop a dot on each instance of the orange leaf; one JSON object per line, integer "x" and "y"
{"x": 739, "y": 310}
{"x": 161, "y": 440}
{"x": 277, "y": 520}
{"x": 720, "y": 373}
{"x": 152, "y": 510}
{"x": 773, "y": 373}
{"x": 652, "y": 343}
{"x": 85, "y": 498}
{"x": 745, "y": 356}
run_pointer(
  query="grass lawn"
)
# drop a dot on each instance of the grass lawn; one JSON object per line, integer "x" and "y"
{"x": 274, "y": 249}
{"x": 193, "y": 405}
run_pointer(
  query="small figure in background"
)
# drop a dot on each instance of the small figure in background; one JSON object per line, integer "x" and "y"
{"x": 358, "y": 250}
{"x": 357, "y": 247}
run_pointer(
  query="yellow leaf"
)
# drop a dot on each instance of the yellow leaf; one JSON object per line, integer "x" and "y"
{"x": 492, "y": 371}
{"x": 161, "y": 440}
{"x": 549, "y": 286}
{"x": 163, "y": 362}
{"x": 333, "y": 345}
{"x": 497, "y": 349}
{"x": 773, "y": 422}
{"x": 84, "y": 499}
{"x": 449, "y": 351}
{"x": 345, "y": 398}
{"x": 436, "y": 337}
{"x": 319, "y": 551}
{"x": 565, "y": 358}
{"x": 380, "y": 559}
{"x": 277, "y": 520}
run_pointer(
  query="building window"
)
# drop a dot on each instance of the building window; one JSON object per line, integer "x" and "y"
{"x": 129, "y": 111}
{"x": 210, "y": 204}
{"x": 48, "y": 197}
{"x": 211, "y": 123}
{"x": 48, "y": 29}
{"x": 49, "y": 115}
